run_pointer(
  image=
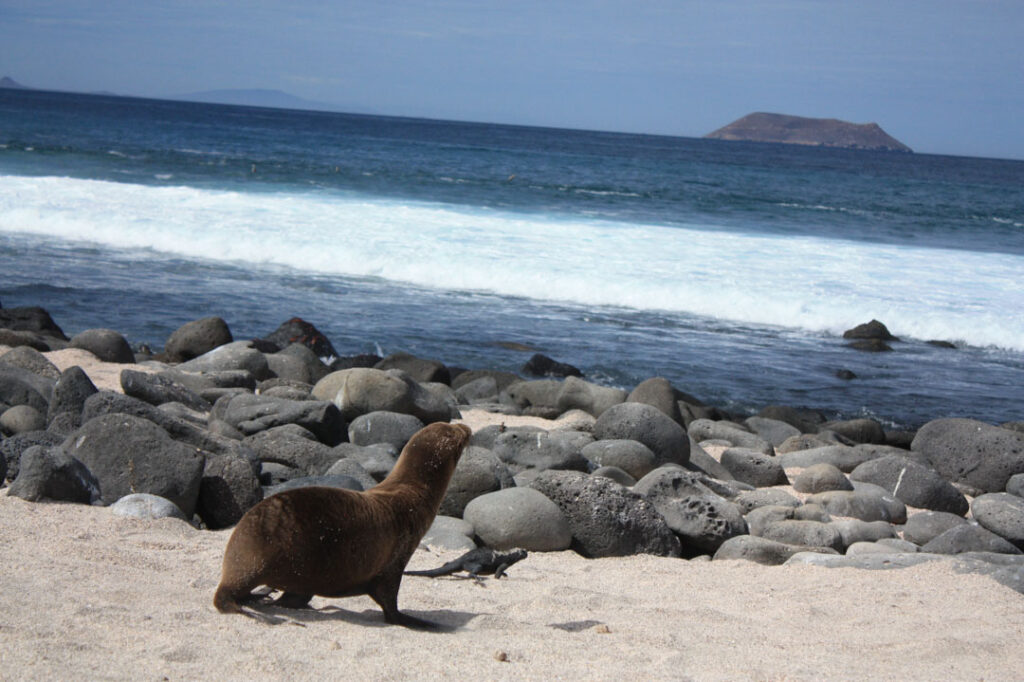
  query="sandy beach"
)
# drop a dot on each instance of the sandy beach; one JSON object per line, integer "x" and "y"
{"x": 95, "y": 596}
{"x": 91, "y": 594}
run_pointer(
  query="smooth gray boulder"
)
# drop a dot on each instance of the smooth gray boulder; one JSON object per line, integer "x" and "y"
{"x": 804, "y": 534}
{"x": 393, "y": 428}
{"x": 577, "y": 394}
{"x": 748, "y": 501}
{"x": 805, "y": 419}
{"x": 519, "y": 517}
{"x": 530, "y": 448}
{"x": 196, "y": 338}
{"x": 346, "y": 466}
{"x": 21, "y": 387}
{"x": 237, "y": 355}
{"x": 447, "y": 532}
{"x": 632, "y": 456}
{"x": 422, "y": 370}
{"x": 857, "y": 430}
{"x": 648, "y": 425}
{"x": 106, "y": 344}
{"x": 969, "y": 537}
{"x": 775, "y": 431}
{"x": 762, "y": 550}
{"x": 971, "y": 452}
{"x": 605, "y": 518}
{"x": 657, "y": 392}
{"x": 1015, "y": 485}
{"x": 866, "y": 506}
{"x": 753, "y": 467}
{"x": 377, "y": 460}
{"x": 913, "y": 483}
{"x": 21, "y": 419}
{"x": 1001, "y": 513}
{"x": 819, "y": 478}
{"x": 855, "y": 530}
{"x": 30, "y": 359}
{"x": 844, "y": 457}
{"x": 478, "y": 472}
{"x": 47, "y": 472}
{"x": 705, "y": 429}
{"x": 760, "y": 518}
{"x": 129, "y": 454}
{"x": 147, "y": 507}
{"x": 924, "y": 527}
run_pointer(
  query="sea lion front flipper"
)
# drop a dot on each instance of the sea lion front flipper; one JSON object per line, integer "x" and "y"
{"x": 385, "y": 592}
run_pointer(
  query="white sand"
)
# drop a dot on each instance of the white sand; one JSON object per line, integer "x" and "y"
{"x": 89, "y": 595}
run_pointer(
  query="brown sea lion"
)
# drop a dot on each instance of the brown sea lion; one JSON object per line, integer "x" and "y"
{"x": 331, "y": 542}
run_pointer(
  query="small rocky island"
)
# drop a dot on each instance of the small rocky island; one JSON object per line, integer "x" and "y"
{"x": 821, "y": 132}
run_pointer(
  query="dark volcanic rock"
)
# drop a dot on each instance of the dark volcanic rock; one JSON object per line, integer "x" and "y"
{"x": 519, "y": 517}
{"x": 21, "y": 387}
{"x": 775, "y": 431}
{"x": 70, "y": 392}
{"x": 857, "y": 430}
{"x": 843, "y": 457}
{"x": 229, "y": 487}
{"x": 105, "y": 344}
{"x": 297, "y": 363}
{"x": 297, "y": 330}
{"x": 377, "y": 460}
{"x": 971, "y": 452}
{"x": 607, "y": 519}
{"x": 805, "y": 419}
{"x": 109, "y": 402}
{"x": 128, "y": 454}
{"x": 538, "y": 398}
{"x": 540, "y": 365}
{"x": 12, "y": 448}
{"x": 361, "y": 390}
{"x": 420, "y": 369}
{"x": 30, "y": 319}
{"x": 748, "y": 501}
{"x": 254, "y": 413}
{"x": 50, "y": 473}
{"x": 870, "y": 330}
{"x": 293, "y": 446}
{"x": 805, "y": 534}
{"x": 819, "y": 132}
{"x": 870, "y": 345}
{"x": 157, "y": 390}
{"x": 196, "y": 338}
{"x": 648, "y": 425}
{"x": 915, "y": 484}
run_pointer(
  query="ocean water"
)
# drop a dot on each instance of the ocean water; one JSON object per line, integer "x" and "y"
{"x": 732, "y": 269}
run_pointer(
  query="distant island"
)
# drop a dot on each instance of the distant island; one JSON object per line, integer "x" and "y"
{"x": 255, "y": 97}
{"x": 821, "y": 132}
{"x": 8, "y": 82}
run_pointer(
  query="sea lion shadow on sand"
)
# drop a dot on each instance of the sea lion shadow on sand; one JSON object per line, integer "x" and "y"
{"x": 440, "y": 621}
{"x": 332, "y": 543}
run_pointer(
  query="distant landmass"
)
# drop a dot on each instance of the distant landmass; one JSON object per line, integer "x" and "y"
{"x": 255, "y": 98}
{"x": 7, "y": 82}
{"x": 822, "y": 132}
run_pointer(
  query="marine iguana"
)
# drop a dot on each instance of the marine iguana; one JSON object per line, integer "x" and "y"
{"x": 476, "y": 562}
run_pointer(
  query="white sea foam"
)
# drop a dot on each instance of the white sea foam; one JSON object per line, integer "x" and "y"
{"x": 792, "y": 281}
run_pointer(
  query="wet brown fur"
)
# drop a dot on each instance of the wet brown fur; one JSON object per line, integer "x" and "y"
{"x": 331, "y": 542}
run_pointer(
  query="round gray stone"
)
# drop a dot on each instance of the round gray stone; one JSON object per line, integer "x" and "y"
{"x": 519, "y": 517}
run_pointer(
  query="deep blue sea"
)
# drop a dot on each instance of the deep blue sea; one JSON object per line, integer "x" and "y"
{"x": 730, "y": 268}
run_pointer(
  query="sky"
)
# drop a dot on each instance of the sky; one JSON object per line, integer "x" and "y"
{"x": 942, "y": 76}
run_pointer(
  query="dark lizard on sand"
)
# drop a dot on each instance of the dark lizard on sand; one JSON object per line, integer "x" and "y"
{"x": 477, "y": 562}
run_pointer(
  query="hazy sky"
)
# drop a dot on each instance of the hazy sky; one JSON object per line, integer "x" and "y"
{"x": 943, "y": 76}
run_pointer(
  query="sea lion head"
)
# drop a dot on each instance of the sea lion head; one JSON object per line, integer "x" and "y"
{"x": 432, "y": 453}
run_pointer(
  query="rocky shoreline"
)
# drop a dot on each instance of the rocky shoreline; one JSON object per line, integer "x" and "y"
{"x": 208, "y": 426}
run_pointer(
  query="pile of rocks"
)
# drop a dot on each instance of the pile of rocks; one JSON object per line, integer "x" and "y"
{"x": 213, "y": 425}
